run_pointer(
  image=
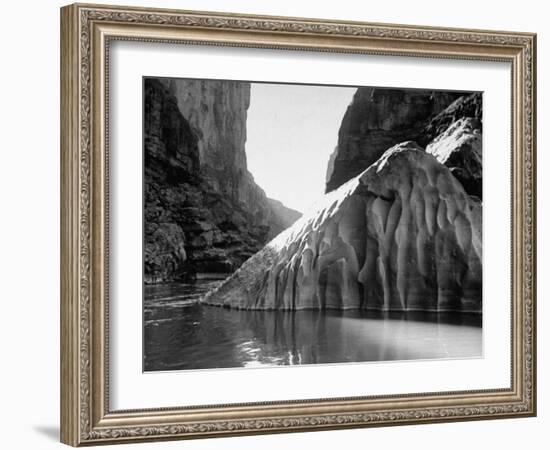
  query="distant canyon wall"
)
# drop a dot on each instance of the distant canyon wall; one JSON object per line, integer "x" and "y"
{"x": 203, "y": 210}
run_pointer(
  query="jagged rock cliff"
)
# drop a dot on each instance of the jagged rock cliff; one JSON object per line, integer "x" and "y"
{"x": 203, "y": 211}
{"x": 402, "y": 235}
{"x": 377, "y": 119}
{"x": 459, "y": 148}
{"x": 216, "y": 112}
{"x": 454, "y": 137}
{"x": 465, "y": 106}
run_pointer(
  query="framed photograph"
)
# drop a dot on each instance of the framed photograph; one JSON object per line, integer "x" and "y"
{"x": 274, "y": 224}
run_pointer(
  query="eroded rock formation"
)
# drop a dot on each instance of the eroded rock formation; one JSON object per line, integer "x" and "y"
{"x": 377, "y": 119}
{"x": 203, "y": 210}
{"x": 402, "y": 235}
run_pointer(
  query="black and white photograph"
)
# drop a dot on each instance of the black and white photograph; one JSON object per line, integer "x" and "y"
{"x": 290, "y": 224}
{"x": 245, "y": 225}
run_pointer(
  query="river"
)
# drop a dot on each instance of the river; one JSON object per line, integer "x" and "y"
{"x": 180, "y": 333}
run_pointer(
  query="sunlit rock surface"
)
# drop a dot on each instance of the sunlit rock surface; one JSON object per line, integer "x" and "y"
{"x": 459, "y": 148}
{"x": 402, "y": 235}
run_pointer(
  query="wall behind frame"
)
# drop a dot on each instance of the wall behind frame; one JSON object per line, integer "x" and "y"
{"x": 29, "y": 229}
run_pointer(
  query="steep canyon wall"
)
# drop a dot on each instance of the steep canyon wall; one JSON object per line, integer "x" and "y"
{"x": 203, "y": 212}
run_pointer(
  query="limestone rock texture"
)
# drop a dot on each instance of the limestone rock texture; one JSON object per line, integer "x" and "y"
{"x": 203, "y": 212}
{"x": 216, "y": 112}
{"x": 403, "y": 235}
{"x": 465, "y": 106}
{"x": 459, "y": 147}
{"x": 377, "y": 119}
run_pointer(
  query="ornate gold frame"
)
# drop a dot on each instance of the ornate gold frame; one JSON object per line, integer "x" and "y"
{"x": 86, "y": 31}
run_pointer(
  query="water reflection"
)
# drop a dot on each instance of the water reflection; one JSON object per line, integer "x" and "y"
{"x": 183, "y": 334}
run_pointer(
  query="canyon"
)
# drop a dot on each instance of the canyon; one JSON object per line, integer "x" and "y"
{"x": 400, "y": 227}
{"x": 203, "y": 211}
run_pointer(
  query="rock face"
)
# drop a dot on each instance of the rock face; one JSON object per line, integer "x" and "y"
{"x": 216, "y": 112}
{"x": 203, "y": 211}
{"x": 377, "y": 119}
{"x": 282, "y": 217}
{"x": 403, "y": 235}
{"x": 454, "y": 137}
{"x": 465, "y": 106}
{"x": 459, "y": 148}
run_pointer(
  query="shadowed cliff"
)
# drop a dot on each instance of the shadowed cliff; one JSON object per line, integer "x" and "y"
{"x": 377, "y": 119}
{"x": 203, "y": 212}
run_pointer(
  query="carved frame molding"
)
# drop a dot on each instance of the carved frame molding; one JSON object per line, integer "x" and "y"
{"x": 86, "y": 31}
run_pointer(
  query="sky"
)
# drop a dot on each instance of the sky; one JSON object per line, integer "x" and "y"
{"x": 291, "y": 132}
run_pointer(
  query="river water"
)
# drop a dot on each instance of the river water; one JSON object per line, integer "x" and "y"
{"x": 181, "y": 333}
